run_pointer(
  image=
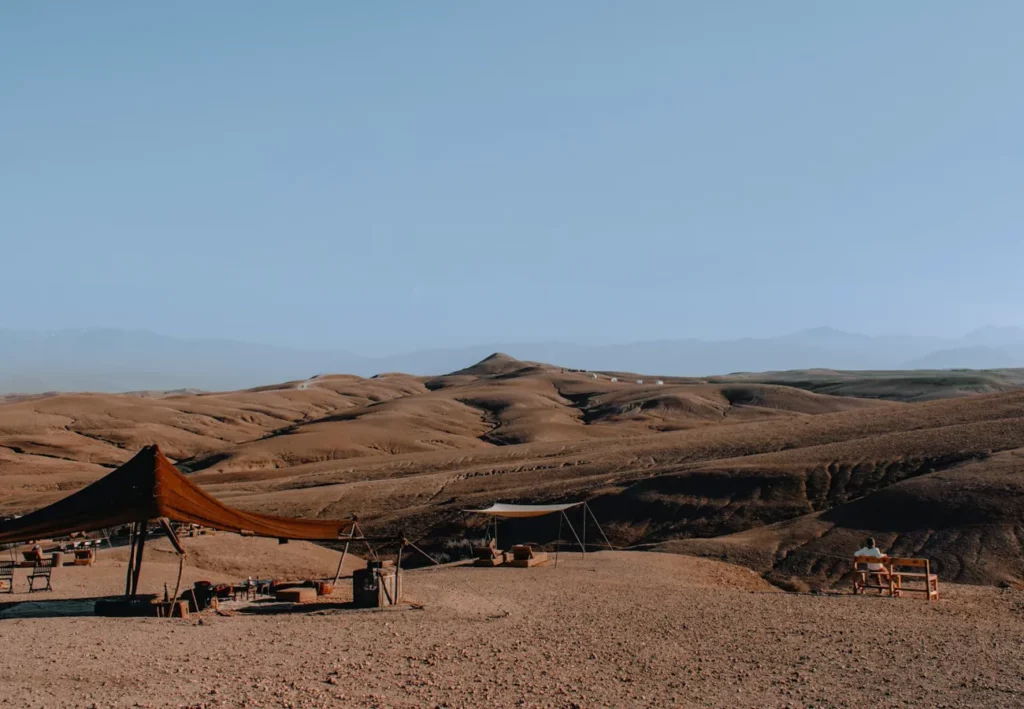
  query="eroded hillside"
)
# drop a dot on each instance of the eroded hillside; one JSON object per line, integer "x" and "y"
{"x": 661, "y": 460}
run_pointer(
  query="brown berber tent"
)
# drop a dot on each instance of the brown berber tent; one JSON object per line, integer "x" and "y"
{"x": 149, "y": 488}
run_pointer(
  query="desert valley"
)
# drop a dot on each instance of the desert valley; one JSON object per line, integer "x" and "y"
{"x": 734, "y": 504}
{"x": 781, "y": 472}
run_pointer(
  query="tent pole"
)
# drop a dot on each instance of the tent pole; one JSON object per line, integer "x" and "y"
{"x": 558, "y": 539}
{"x": 584, "y": 530}
{"x": 398, "y": 571}
{"x": 132, "y": 538}
{"x": 177, "y": 585}
{"x": 344, "y": 553}
{"x": 373, "y": 552}
{"x": 168, "y": 529}
{"x": 603, "y": 536}
{"x": 572, "y": 529}
{"x": 138, "y": 558}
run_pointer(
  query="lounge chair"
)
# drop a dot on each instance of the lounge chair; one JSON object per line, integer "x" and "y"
{"x": 524, "y": 556}
{"x": 488, "y": 555}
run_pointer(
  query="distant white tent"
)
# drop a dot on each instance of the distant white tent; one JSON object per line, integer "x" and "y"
{"x": 500, "y": 509}
{"x": 509, "y": 511}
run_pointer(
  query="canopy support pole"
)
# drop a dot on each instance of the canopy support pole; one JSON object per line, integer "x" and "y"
{"x": 573, "y": 530}
{"x": 398, "y": 571}
{"x": 584, "y": 530}
{"x": 344, "y": 553}
{"x": 168, "y": 529}
{"x": 138, "y": 558}
{"x": 132, "y": 540}
{"x": 558, "y": 539}
{"x": 373, "y": 552}
{"x": 603, "y": 536}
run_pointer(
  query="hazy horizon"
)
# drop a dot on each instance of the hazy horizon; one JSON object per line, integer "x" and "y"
{"x": 121, "y": 360}
{"x": 373, "y": 350}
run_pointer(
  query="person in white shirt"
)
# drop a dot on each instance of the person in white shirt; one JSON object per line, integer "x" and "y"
{"x": 871, "y": 549}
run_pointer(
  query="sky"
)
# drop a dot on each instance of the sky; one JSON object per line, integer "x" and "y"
{"x": 390, "y": 176}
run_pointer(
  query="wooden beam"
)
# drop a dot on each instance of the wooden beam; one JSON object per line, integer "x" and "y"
{"x": 132, "y": 538}
{"x": 138, "y": 558}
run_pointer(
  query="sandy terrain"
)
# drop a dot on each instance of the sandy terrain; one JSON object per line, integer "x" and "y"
{"x": 660, "y": 463}
{"x": 614, "y": 630}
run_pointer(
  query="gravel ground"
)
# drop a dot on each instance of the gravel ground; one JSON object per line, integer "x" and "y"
{"x": 616, "y": 629}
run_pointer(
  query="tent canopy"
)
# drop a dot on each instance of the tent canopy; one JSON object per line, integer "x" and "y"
{"x": 149, "y": 487}
{"x": 502, "y": 510}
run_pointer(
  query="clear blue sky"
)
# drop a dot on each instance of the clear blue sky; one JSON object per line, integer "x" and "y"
{"x": 398, "y": 175}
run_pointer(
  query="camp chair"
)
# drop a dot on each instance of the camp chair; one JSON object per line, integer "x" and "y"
{"x": 7, "y": 576}
{"x": 523, "y": 556}
{"x": 41, "y": 570}
{"x": 917, "y": 571}
{"x": 864, "y": 575}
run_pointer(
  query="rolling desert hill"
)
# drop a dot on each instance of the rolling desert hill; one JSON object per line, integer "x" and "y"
{"x": 776, "y": 471}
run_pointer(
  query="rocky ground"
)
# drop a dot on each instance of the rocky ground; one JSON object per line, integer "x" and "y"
{"x": 615, "y": 629}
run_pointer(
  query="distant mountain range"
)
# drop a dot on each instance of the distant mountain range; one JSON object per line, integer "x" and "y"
{"x": 121, "y": 360}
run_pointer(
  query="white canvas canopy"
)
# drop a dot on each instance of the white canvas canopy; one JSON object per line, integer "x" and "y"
{"x": 500, "y": 509}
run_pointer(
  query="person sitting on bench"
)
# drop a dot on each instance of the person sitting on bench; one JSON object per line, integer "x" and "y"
{"x": 879, "y": 570}
{"x": 871, "y": 549}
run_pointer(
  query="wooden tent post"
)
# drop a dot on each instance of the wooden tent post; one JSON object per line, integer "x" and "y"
{"x": 138, "y": 558}
{"x": 168, "y": 529}
{"x": 132, "y": 540}
{"x": 398, "y": 571}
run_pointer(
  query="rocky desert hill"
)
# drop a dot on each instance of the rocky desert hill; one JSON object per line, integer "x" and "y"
{"x": 783, "y": 472}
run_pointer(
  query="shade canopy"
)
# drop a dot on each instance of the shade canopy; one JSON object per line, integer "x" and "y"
{"x": 149, "y": 487}
{"x": 502, "y": 510}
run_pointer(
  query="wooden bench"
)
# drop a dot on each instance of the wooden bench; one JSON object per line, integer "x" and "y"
{"x": 918, "y": 572}
{"x": 7, "y": 576}
{"x": 41, "y": 570}
{"x": 864, "y": 577}
{"x": 893, "y": 578}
